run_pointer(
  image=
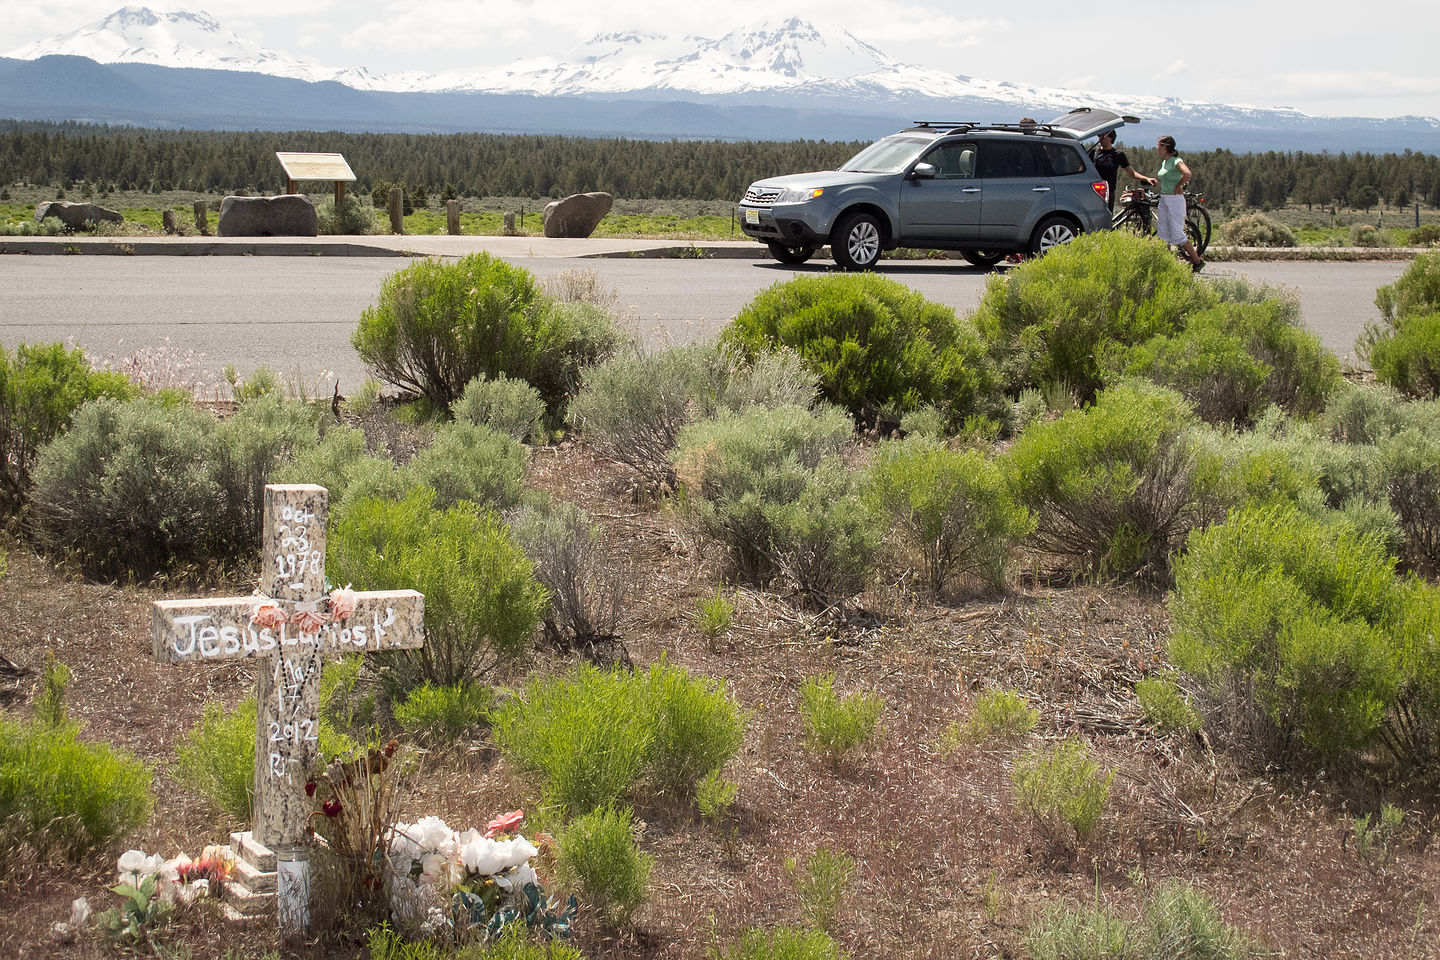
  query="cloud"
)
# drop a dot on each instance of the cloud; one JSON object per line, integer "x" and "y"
{"x": 1177, "y": 69}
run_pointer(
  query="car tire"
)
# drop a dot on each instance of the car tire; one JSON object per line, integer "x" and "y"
{"x": 857, "y": 241}
{"x": 791, "y": 255}
{"x": 981, "y": 258}
{"x": 1052, "y": 232}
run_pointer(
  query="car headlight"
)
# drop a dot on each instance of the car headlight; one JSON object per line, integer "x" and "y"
{"x": 799, "y": 194}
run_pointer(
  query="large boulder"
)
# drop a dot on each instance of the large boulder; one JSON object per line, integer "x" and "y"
{"x": 76, "y": 215}
{"x": 288, "y": 215}
{"x": 578, "y": 215}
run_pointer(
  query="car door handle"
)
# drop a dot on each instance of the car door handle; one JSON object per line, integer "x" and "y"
{"x": 971, "y": 190}
{"x": 1039, "y": 189}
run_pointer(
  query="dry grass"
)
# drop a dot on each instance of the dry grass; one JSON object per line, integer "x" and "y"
{"x": 945, "y": 866}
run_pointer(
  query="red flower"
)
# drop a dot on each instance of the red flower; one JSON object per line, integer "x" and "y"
{"x": 503, "y": 823}
{"x": 310, "y": 789}
{"x": 331, "y": 808}
{"x": 391, "y": 747}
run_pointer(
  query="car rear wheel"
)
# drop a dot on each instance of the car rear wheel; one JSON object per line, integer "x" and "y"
{"x": 1052, "y": 232}
{"x": 790, "y": 254}
{"x": 982, "y": 258}
{"x": 855, "y": 244}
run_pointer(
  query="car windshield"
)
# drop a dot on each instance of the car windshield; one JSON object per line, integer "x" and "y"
{"x": 890, "y": 155}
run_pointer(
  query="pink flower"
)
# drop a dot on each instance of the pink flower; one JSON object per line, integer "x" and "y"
{"x": 267, "y": 615}
{"x": 503, "y": 823}
{"x": 342, "y": 603}
{"x": 309, "y": 620}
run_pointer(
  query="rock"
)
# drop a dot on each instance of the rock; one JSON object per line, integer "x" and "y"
{"x": 288, "y": 215}
{"x": 578, "y": 215}
{"x": 76, "y": 215}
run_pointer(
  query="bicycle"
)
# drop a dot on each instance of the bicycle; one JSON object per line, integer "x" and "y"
{"x": 1139, "y": 216}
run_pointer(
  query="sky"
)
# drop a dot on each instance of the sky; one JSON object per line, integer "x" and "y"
{"x": 1373, "y": 59}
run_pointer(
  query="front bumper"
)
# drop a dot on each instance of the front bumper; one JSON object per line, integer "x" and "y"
{"x": 769, "y": 225}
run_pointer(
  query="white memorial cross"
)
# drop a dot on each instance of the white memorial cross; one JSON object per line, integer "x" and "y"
{"x": 292, "y": 623}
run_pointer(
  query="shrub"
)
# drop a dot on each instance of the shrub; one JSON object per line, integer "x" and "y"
{"x": 1177, "y": 922}
{"x": 340, "y": 464}
{"x": 1047, "y": 321}
{"x": 1114, "y": 488}
{"x": 821, "y": 886}
{"x": 472, "y": 463}
{"x": 834, "y": 726}
{"x": 126, "y": 492}
{"x": 247, "y": 450}
{"x": 697, "y": 728}
{"x": 349, "y": 217}
{"x": 1362, "y": 413}
{"x": 1234, "y": 359}
{"x": 1302, "y": 636}
{"x": 41, "y": 387}
{"x": 599, "y": 855}
{"x": 1409, "y": 359}
{"x": 1061, "y": 785}
{"x": 950, "y": 507}
{"x": 714, "y": 613}
{"x": 482, "y": 602}
{"x": 824, "y": 541}
{"x": 738, "y": 468}
{"x": 998, "y": 715}
{"x": 714, "y": 796}
{"x": 1415, "y": 293}
{"x": 1376, "y": 836}
{"x": 64, "y": 797}
{"x": 443, "y": 716}
{"x": 879, "y": 348}
{"x": 1426, "y": 235}
{"x": 587, "y": 587}
{"x": 438, "y": 326}
{"x": 1367, "y": 235}
{"x": 1257, "y": 230}
{"x": 1410, "y": 462}
{"x": 633, "y": 406}
{"x": 587, "y": 737}
{"x": 510, "y": 407}
{"x": 1164, "y": 706}
{"x": 784, "y": 943}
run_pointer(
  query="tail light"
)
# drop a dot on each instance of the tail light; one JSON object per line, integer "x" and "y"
{"x": 1102, "y": 190}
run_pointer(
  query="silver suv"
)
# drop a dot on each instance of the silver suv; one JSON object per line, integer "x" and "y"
{"x": 983, "y": 190}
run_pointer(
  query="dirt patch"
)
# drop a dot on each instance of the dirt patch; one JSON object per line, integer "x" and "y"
{"x": 945, "y": 865}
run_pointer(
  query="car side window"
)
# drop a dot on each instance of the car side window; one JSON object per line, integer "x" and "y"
{"x": 1007, "y": 160}
{"x": 953, "y": 161}
{"x": 1063, "y": 160}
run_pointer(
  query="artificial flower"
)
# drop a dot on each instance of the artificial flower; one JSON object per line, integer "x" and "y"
{"x": 342, "y": 603}
{"x": 503, "y": 823}
{"x": 267, "y": 614}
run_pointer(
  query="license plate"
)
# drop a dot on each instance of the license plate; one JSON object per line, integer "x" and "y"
{"x": 752, "y": 216}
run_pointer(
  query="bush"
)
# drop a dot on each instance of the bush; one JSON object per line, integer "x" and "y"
{"x": 510, "y": 407}
{"x": 1114, "y": 488}
{"x": 1164, "y": 706}
{"x": 482, "y": 602}
{"x": 471, "y": 463}
{"x": 246, "y": 452}
{"x": 784, "y": 943}
{"x": 64, "y": 797}
{"x": 349, "y": 217}
{"x": 1061, "y": 785}
{"x": 41, "y": 387}
{"x": 714, "y": 614}
{"x": 127, "y": 493}
{"x": 1362, "y": 413}
{"x": 1257, "y": 230}
{"x": 440, "y": 717}
{"x": 1047, "y": 321}
{"x": 1233, "y": 360}
{"x": 879, "y": 348}
{"x": 1177, "y": 922}
{"x": 821, "y": 886}
{"x": 1302, "y": 636}
{"x": 950, "y": 507}
{"x": 1409, "y": 358}
{"x": 1410, "y": 462}
{"x": 340, "y": 464}
{"x": 633, "y": 406}
{"x": 834, "y": 726}
{"x": 998, "y": 715}
{"x": 697, "y": 728}
{"x": 1367, "y": 235}
{"x": 438, "y": 326}
{"x": 824, "y": 541}
{"x": 1426, "y": 235}
{"x": 599, "y": 855}
{"x": 587, "y": 587}
{"x": 1414, "y": 294}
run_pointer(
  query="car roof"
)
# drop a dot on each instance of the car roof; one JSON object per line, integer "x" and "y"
{"x": 1081, "y": 123}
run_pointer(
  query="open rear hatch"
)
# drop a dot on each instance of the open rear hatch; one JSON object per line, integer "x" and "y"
{"x": 1082, "y": 123}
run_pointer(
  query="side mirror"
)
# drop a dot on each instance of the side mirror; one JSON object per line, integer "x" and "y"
{"x": 923, "y": 171}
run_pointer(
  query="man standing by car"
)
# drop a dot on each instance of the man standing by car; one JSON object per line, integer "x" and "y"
{"x": 1109, "y": 162}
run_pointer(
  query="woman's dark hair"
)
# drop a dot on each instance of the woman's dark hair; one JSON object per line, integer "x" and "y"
{"x": 1169, "y": 143}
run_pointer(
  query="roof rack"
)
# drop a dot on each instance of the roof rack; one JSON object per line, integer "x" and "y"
{"x": 1045, "y": 128}
{"x": 934, "y": 124}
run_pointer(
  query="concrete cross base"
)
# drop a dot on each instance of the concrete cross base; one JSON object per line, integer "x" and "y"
{"x": 251, "y": 890}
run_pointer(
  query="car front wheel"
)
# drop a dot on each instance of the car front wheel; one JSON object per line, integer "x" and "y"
{"x": 790, "y": 255}
{"x": 856, "y": 242}
{"x": 982, "y": 258}
{"x": 1052, "y": 232}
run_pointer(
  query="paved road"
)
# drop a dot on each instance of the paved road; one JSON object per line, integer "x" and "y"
{"x": 295, "y": 314}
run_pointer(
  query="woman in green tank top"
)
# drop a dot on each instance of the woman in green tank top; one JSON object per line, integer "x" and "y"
{"x": 1170, "y": 182}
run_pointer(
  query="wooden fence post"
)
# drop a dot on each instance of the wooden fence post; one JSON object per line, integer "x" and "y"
{"x": 397, "y": 210}
{"x": 452, "y": 217}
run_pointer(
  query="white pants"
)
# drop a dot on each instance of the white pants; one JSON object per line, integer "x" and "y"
{"x": 1171, "y": 219}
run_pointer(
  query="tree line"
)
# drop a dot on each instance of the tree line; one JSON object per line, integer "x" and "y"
{"x": 501, "y": 165}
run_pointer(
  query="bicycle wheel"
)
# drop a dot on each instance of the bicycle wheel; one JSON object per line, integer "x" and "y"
{"x": 1136, "y": 220}
{"x": 1192, "y": 233}
{"x": 1199, "y": 217}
